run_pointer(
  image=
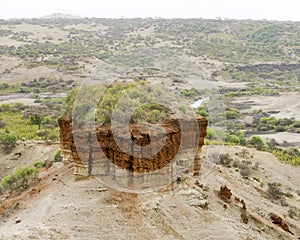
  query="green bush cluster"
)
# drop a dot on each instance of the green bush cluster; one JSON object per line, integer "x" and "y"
{"x": 19, "y": 179}
{"x": 39, "y": 164}
{"x": 278, "y": 125}
{"x": 141, "y": 100}
{"x": 190, "y": 93}
{"x": 290, "y": 155}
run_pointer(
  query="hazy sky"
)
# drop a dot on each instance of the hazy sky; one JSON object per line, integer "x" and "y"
{"x": 238, "y": 9}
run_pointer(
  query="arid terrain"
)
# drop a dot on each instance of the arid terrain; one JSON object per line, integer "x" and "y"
{"x": 245, "y": 74}
{"x": 59, "y": 207}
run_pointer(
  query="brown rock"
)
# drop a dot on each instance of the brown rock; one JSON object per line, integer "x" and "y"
{"x": 241, "y": 201}
{"x": 278, "y": 221}
{"x": 244, "y": 217}
{"x": 225, "y": 192}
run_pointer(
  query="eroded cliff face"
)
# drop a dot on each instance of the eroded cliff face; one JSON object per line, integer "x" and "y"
{"x": 135, "y": 149}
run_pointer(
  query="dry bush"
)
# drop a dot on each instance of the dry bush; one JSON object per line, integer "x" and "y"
{"x": 244, "y": 166}
{"x": 274, "y": 191}
{"x": 225, "y": 160}
{"x": 294, "y": 213}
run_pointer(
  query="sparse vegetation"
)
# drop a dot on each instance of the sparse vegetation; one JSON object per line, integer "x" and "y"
{"x": 251, "y": 58}
{"x": 19, "y": 179}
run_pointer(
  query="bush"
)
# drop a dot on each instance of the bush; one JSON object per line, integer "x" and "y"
{"x": 294, "y": 213}
{"x": 225, "y": 159}
{"x": 8, "y": 139}
{"x": 257, "y": 142}
{"x": 39, "y": 164}
{"x": 245, "y": 171}
{"x": 272, "y": 143}
{"x": 58, "y": 156}
{"x": 232, "y": 139}
{"x": 19, "y": 179}
{"x": 274, "y": 191}
{"x": 232, "y": 113}
{"x": 2, "y": 124}
{"x": 290, "y": 155}
{"x": 5, "y": 107}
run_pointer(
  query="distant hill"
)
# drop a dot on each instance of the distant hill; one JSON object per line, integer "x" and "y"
{"x": 60, "y": 15}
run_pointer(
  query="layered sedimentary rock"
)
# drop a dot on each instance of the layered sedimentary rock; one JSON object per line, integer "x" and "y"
{"x": 134, "y": 148}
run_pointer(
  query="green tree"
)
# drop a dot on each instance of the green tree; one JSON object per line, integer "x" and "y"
{"x": 37, "y": 120}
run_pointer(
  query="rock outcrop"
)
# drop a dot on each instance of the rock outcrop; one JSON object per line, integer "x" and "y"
{"x": 85, "y": 146}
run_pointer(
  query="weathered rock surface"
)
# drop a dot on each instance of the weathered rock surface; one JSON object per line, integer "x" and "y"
{"x": 133, "y": 150}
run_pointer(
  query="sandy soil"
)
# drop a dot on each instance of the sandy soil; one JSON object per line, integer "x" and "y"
{"x": 28, "y": 99}
{"x": 4, "y": 41}
{"x": 9, "y": 63}
{"x": 223, "y": 84}
{"x": 63, "y": 208}
{"x": 21, "y": 74}
{"x": 280, "y": 137}
{"x": 40, "y": 33}
{"x": 288, "y": 104}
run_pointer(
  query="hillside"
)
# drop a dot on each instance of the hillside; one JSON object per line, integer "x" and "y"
{"x": 61, "y": 208}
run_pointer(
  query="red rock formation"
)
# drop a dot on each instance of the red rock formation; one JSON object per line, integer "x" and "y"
{"x": 84, "y": 145}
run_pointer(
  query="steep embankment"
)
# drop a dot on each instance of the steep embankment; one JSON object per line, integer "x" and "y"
{"x": 61, "y": 208}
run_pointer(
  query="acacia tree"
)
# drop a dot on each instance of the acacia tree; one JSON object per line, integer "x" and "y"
{"x": 36, "y": 119}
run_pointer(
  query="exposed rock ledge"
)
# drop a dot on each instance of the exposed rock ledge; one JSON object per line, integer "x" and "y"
{"x": 83, "y": 146}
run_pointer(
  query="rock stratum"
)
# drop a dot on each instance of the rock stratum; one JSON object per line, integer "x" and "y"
{"x": 94, "y": 150}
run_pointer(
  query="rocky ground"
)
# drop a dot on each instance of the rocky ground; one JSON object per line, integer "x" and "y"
{"x": 60, "y": 207}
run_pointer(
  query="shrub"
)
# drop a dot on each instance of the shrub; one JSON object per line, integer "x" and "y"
{"x": 272, "y": 143}
{"x": 225, "y": 159}
{"x": 39, "y": 164}
{"x": 232, "y": 113}
{"x": 58, "y": 156}
{"x": 290, "y": 155}
{"x": 274, "y": 191}
{"x": 202, "y": 113}
{"x": 257, "y": 142}
{"x": 36, "y": 119}
{"x": 2, "y": 124}
{"x": 19, "y": 179}
{"x": 5, "y": 107}
{"x": 294, "y": 213}
{"x": 245, "y": 171}
{"x": 8, "y": 139}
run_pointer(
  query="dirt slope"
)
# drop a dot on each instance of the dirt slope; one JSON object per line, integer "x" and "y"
{"x": 60, "y": 207}
{"x": 25, "y": 154}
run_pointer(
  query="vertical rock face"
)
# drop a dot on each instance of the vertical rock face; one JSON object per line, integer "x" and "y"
{"x": 134, "y": 149}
